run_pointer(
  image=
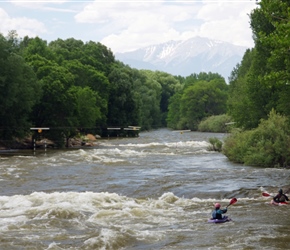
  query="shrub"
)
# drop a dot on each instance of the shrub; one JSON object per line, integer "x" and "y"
{"x": 267, "y": 145}
{"x": 216, "y": 144}
{"x": 216, "y": 123}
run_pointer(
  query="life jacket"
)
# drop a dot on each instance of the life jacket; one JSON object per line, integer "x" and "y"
{"x": 217, "y": 214}
{"x": 280, "y": 198}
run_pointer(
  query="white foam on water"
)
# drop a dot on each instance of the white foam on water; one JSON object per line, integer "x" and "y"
{"x": 41, "y": 205}
{"x": 105, "y": 220}
{"x": 142, "y": 145}
{"x": 168, "y": 144}
{"x": 117, "y": 217}
{"x": 54, "y": 246}
{"x": 190, "y": 144}
{"x": 114, "y": 153}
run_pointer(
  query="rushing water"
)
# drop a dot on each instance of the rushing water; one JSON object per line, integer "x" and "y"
{"x": 152, "y": 192}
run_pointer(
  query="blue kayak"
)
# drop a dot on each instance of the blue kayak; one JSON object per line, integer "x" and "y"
{"x": 223, "y": 220}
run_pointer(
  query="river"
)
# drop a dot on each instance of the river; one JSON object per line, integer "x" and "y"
{"x": 152, "y": 192}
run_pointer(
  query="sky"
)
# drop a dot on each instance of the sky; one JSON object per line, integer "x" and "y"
{"x": 129, "y": 25}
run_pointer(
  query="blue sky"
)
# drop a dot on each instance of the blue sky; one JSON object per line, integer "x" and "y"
{"x": 128, "y": 25}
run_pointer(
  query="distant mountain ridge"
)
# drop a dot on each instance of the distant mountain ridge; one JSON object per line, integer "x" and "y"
{"x": 183, "y": 58}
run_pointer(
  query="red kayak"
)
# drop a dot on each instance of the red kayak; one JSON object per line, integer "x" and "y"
{"x": 279, "y": 203}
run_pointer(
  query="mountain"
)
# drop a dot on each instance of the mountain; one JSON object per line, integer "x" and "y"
{"x": 183, "y": 58}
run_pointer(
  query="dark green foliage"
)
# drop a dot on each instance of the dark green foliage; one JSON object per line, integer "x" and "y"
{"x": 168, "y": 86}
{"x": 19, "y": 91}
{"x": 202, "y": 76}
{"x": 74, "y": 94}
{"x": 122, "y": 106}
{"x": 148, "y": 96}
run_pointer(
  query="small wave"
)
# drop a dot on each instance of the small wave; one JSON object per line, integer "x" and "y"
{"x": 191, "y": 144}
{"x": 143, "y": 145}
{"x": 168, "y": 144}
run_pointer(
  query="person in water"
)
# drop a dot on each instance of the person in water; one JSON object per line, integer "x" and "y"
{"x": 217, "y": 212}
{"x": 280, "y": 197}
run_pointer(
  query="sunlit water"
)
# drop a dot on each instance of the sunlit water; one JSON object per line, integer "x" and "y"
{"x": 152, "y": 192}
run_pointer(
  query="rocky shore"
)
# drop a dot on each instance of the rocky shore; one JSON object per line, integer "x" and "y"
{"x": 88, "y": 140}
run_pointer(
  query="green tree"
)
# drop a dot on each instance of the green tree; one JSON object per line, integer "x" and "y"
{"x": 93, "y": 54}
{"x": 19, "y": 91}
{"x": 260, "y": 81}
{"x": 87, "y": 76}
{"x": 240, "y": 105}
{"x": 122, "y": 106}
{"x": 202, "y": 100}
{"x": 69, "y": 49}
{"x": 169, "y": 85}
{"x": 90, "y": 63}
{"x": 148, "y": 91}
{"x": 174, "y": 120}
{"x": 202, "y": 76}
{"x": 270, "y": 24}
{"x": 198, "y": 99}
{"x": 35, "y": 46}
{"x": 87, "y": 110}
{"x": 98, "y": 56}
{"x": 58, "y": 105}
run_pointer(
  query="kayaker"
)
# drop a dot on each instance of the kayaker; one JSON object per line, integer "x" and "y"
{"x": 217, "y": 212}
{"x": 280, "y": 197}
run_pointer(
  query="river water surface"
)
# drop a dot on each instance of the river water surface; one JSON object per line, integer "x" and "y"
{"x": 152, "y": 192}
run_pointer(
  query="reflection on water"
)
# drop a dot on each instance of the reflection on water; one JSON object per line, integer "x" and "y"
{"x": 151, "y": 192}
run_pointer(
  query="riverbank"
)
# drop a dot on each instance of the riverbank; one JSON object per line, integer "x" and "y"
{"x": 88, "y": 140}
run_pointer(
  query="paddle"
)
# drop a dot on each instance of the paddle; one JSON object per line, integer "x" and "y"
{"x": 266, "y": 194}
{"x": 233, "y": 201}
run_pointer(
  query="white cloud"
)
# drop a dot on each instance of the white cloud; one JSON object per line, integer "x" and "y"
{"x": 132, "y": 25}
{"x": 45, "y": 5}
{"x": 36, "y": 3}
{"x": 227, "y": 22}
{"x": 3, "y": 15}
{"x": 23, "y": 25}
{"x": 136, "y": 24}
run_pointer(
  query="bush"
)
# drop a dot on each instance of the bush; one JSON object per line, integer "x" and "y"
{"x": 236, "y": 145}
{"x": 268, "y": 145}
{"x": 216, "y": 144}
{"x": 216, "y": 123}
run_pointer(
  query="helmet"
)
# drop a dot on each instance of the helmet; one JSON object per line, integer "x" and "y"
{"x": 217, "y": 205}
{"x": 280, "y": 191}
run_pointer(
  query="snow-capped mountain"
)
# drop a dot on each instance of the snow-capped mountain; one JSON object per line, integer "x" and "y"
{"x": 183, "y": 58}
